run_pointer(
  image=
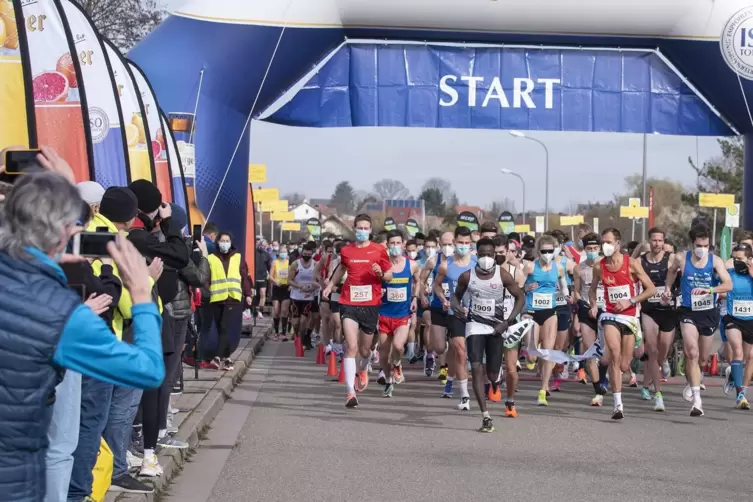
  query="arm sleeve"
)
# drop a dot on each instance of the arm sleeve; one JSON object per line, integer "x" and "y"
{"x": 89, "y": 347}
{"x": 247, "y": 284}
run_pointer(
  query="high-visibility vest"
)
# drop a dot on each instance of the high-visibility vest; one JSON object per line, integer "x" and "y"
{"x": 222, "y": 287}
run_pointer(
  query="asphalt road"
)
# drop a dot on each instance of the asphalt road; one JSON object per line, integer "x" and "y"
{"x": 285, "y": 435}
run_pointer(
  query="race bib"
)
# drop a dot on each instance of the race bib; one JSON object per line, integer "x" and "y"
{"x": 702, "y": 302}
{"x": 446, "y": 289}
{"x": 560, "y": 299}
{"x": 742, "y": 308}
{"x": 507, "y": 306}
{"x": 543, "y": 301}
{"x": 360, "y": 294}
{"x": 282, "y": 273}
{"x": 398, "y": 295}
{"x": 617, "y": 293}
{"x": 429, "y": 283}
{"x": 483, "y": 307}
{"x": 600, "y": 297}
{"x": 657, "y": 296}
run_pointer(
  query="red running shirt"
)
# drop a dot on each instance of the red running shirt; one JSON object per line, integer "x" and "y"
{"x": 618, "y": 286}
{"x": 363, "y": 288}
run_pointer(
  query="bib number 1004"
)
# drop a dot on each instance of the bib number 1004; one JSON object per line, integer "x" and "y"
{"x": 619, "y": 293}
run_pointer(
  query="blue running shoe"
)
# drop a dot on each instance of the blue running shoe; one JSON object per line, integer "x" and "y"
{"x": 447, "y": 394}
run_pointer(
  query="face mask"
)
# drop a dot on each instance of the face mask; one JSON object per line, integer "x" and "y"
{"x": 396, "y": 250}
{"x": 283, "y": 256}
{"x": 500, "y": 259}
{"x": 448, "y": 250}
{"x": 741, "y": 267}
{"x": 462, "y": 249}
{"x": 362, "y": 235}
{"x": 412, "y": 255}
{"x": 430, "y": 252}
{"x": 608, "y": 249}
{"x": 486, "y": 263}
{"x": 224, "y": 247}
{"x": 306, "y": 257}
{"x": 269, "y": 250}
{"x": 701, "y": 252}
{"x": 547, "y": 257}
{"x": 580, "y": 244}
{"x": 592, "y": 255}
{"x": 557, "y": 250}
{"x": 275, "y": 249}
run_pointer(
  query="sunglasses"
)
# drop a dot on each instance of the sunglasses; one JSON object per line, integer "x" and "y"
{"x": 546, "y": 251}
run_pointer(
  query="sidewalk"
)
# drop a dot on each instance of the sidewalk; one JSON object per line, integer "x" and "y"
{"x": 200, "y": 403}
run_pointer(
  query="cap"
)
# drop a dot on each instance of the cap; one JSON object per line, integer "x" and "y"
{"x": 91, "y": 191}
{"x": 119, "y": 205}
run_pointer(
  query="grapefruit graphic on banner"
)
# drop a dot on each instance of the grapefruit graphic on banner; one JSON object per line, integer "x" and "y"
{"x": 105, "y": 121}
{"x": 14, "y": 101}
{"x": 60, "y": 113}
{"x": 175, "y": 166}
{"x": 140, "y": 166}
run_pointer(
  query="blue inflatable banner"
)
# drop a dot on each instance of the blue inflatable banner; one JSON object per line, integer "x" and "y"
{"x": 487, "y": 87}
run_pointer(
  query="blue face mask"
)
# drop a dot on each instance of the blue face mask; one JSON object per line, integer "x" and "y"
{"x": 362, "y": 235}
{"x": 210, "y": 244}
{"x": 580, "y": 244}
{"x": 283, "y": 256}
{"x": 396, "y": 250}
{"x": 462, "y": 249}
{"x": 592, "y": 255}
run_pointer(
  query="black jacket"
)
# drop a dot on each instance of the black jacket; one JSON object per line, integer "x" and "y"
{"x": 81, "y": 274}
{"x": 196, "y": 275}
{"x": 262, "y": 264}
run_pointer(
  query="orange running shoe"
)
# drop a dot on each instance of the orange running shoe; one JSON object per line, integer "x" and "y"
{"x": 582, "y": 376}
{"x": 397, "y": 373}
{"x": 351, "y": 401}
{"x": 494, "y": 395}
{"x": 362, "y": 381}
{"x": 510, "y": 411}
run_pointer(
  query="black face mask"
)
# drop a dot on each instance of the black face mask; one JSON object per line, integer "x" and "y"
{"x": 500, "y": 258}
{"x": 740, "y": 267}
{"x": 305, "y": 257}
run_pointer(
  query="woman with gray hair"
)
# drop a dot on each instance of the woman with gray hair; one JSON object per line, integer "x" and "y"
{"x": 45, "y": 329}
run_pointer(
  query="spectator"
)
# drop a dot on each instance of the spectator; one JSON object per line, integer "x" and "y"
{"x": 39, "y": 217}
{"x": 262, "y": 265}
{"x": 210, "y": 235}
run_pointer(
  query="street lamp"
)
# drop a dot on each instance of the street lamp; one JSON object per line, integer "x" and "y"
{"x": 511, "y": 173}
{"x": 518, "y": 134}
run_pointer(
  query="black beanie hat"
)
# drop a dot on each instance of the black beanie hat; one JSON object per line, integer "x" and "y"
{"x": 147, "y": 194}
{"x": 119, "y": 205}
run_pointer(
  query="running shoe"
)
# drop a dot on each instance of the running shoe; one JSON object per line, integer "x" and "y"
{"x": 696, "y": 410}
{"x": 388, "y": 388}
{"x": 351, "y": 401}
{"x": 447, "y": 394}
{"x": 128, "y": 484}
{"x": 486, "y": 425}
{"x": 443, "y": 371}
{"x": 227, "y": 365}
{"x": 645, "y": 394}
{"x": 681, "y": 365}
{"x": 582, "y": 376}
{"x": 597, "y": 400}
{"x": 168, "y": 442}
{"x": 742, "y": 403}
{"x": 327, "y": 349}
{"x": 215, "y": 364}
{"x": 133, "y": 461}
{"x": 246, "y": 315}
{"x": 666, "y": 370}
{"x": 530, "y": 365}
{"x": 397, "y": 374}
{"x": 362, "y": 381}
{"x": 374, "y": 357}
{"x": 658, "y": 402}
{"x": 494, "y": 394}
{"x": 633, "y": 380}
{"x": 465, "y": 404}
{"x": 687, "y": 394}
{"x": 381, "y": 380}
{"x": 150, "y": 467}
{"x": 510, "y": 411}
{"x": 556, "y": 385}
{"x": 541, "y": 401}
{"x": 702, "y": 385}
{"x": 259, "y": 315}
{"x": 429, "y": 366}
{"x": 517, "y": 366}
{"x": 728, "y": 384}
{"x": 618, "y": 413}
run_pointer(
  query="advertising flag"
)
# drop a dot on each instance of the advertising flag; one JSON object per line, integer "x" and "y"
{"x": 59, "y": 103}
{"x": 16, "y": 100}
{"x": 139, "y": 164}
{"x": 389, "y": 224}
{"x": 105, "y": 120}
{"x": 176, "y": 167}
{"x": 506, "y": 222}
{"x": 412, "y": 227}
{"x": 468, "y": 220}
{"x": 183, "y": 126}
{"x": 314, "y": 227}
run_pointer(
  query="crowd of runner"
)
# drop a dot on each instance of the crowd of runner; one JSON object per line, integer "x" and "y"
{"x": 485, "y": 303}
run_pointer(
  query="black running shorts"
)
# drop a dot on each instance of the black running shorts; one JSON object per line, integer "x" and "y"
{"x": 455, "y": 327}
{"x": 624, "y": 330}
{"x": 439, "y": 317}
{"x": 491, "y": 345}
{"x": 666, "y": 319}
{"x": 744, "y": 325}
{"x": 367, "y": 317}
{"x": 541, "y": 316}
{"x": 705, "y": 321}
{"x": 585, "y": 317}
{"x": 280, "y": 293}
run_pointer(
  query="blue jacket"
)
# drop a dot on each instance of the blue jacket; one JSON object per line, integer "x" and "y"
{"x": 44, "y": 329}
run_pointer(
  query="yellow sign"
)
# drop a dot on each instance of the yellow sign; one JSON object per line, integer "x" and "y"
{"x": 272, "y": 206}
{"x": 634, "y": 202}
{"x": 571, "y": 221}
{"x": 262, "y": 194}
{"x": 257, "y": 173}
{"x": 633, "y": 212}
{"x": 283, "y": 216}
{"x": 292, "y": 226}
{"x": 724, "y": 200}
{"x": 523, "y": 228}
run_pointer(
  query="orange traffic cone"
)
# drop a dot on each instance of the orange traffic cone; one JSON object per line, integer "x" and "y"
{"x": 332, "y": 366}
{"x": 298, "y": 347}
{"x": 320, "y": 355}
{"x": 714, "y": 369}
{"x": 341, "y": 376}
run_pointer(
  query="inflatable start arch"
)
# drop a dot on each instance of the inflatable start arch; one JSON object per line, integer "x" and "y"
{"x": 643, "y": 66}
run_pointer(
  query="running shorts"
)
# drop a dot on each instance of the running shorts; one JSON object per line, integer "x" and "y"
{"x": 624, "y": 330}
{"x": 744, "y": 325}
{"x": 665, "y": 319}
{"x": 564, "y": 317}
{"x": 541, "y": 316}
{"x": 280, "y": 293}
{"x": 439, "y": 317}
{"x": 388, "y": 325}
{"x": 366, "y": 317}
{"x": 705, "y": 321}
{"x": 303, "y": 307}
{"x": 259, "y": 285}
{"x": 491, "y": 345}
{"x": 723, "y": 330}
{"x": 585, "y": 317}
{"x": 455, "y": 327}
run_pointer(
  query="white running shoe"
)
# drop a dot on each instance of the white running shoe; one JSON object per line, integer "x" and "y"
{"x": 658, "y": 402}
{"x": 465, "y": 404}
{"x": 687, "y": 394}
{"x": 327, "y": 349}
{"x": 374, "y": 357}
{"x": 150, "y": 467}
{"x": 132, "y": 460}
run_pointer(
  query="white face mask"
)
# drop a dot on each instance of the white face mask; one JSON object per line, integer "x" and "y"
{"x": 412, "y": 255}
{"x": 608, "y": 249}
{"x": 224, "y": 246}
{"x": 547, "y": 257}
{"x": 448, "y": 250}
{"x": 701, "y": 253}
{"x": 557, "y": 250}
{"x": 430, "y": 252}
{"x": 486, "y": 263}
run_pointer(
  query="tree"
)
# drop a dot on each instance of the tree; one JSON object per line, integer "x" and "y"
{"x": 433, "y": 202}
{"x": 124, "y": 22}
{"x": 444, "y": 187}
{"x": 294, "y": 198}
{"x": 498, "y": 206}
{"x": 344, "y": 197}
{"x": 391, "y": 189}
{"x": 362, "y": 198}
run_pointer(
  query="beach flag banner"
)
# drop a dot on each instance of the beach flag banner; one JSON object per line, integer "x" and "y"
{"x": 17, "y": 126}
{"x": 175, "y": 165}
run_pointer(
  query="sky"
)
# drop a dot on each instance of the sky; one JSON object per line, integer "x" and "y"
{"x": 583, "y": 166}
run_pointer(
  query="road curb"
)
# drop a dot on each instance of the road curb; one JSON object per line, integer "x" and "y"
{"x": 199, "y": 419}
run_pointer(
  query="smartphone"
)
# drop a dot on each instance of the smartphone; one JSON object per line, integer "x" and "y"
{"x": 92, "y": 244}
{"x": 18, "y": 162}
{"x": 197, "y": 237}
{"x": 80, "y": 289}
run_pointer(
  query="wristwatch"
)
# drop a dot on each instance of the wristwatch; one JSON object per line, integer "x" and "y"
{"x": 633, "y": 302}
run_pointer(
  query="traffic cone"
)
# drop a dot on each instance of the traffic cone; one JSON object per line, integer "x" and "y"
{"x": 341, "y": 376}
{"x": 320, "y": 355}
{"x": 332, "y": 367}
{"x": 298, "y": 347}
{"x": 714, "y": 370}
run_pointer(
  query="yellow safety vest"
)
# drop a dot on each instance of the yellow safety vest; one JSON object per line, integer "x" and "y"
{"x": 222, "y": 287}
{"x": 279, "y": 271}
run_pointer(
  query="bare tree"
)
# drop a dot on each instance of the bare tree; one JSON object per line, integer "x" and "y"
{"x": 294, "y": 198}
{"x": 443, "y": 186}
{"x": 391, "y": 189}
{"x": 498, "y": 206}
{"x": 124, "y": 22}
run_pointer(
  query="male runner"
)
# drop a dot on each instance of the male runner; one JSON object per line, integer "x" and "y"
{"x": 323, "y": 270}
{"x": 451, "y": 270}
{"x": 411, "y": 251}
{"x": 303, "y": 289}
{"x": 426, "y": 279}
{"x": 488, "y": 230}
{"x": 367, "y": 265}
{"x": 700, "y": 274}
{"x": 739, "y": 321}
{"x": 398, "y": 307}
{"x": 619, "y": 274}
{"x": 278, "y": 276}
{"x": 563, "y": 307}
{"x": 489, "y": 287}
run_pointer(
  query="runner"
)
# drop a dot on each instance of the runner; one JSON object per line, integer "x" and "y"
{"x": 739, "y": 321}
{"x": 303, "y": 290}
{"x": 582, "y": 280}
{"x": 577, "y": 250}
{"x": 323, "y": 270}
{"x": 700, "y": 274}
{"x": 366, "y": 265}
{"x": 411, "y": 251}
{"x": 488, "y": 230}
{"x": 658, "y": 318}
{"x": 425, "y": 289}
{"x": 398, "y": 306}
{"x": 541, "y": 278}
{"x": 278, "y": 276}
{"x": 563, "y": 307}
{"x": 619, "y": 274}
{"x": 451, "y": 269}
